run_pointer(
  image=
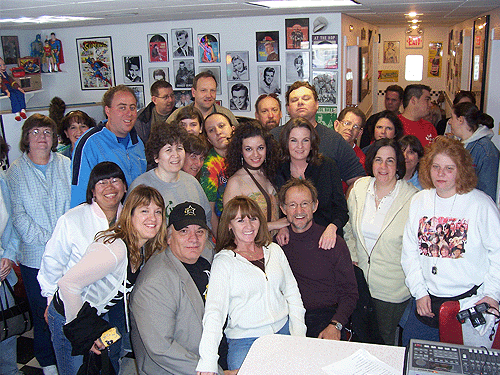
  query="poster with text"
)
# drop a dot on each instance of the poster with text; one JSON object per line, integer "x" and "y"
{"x": 158, "y": 47}
{"x": 267, "y": 45}
{"x": 326, "y": 115}
{"x": 95, "y": 61}
{"x": 434, "y": 65}
{"x": 325, "y": 51}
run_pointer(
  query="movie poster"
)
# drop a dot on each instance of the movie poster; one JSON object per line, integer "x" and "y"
{"x": 297, "y": 33}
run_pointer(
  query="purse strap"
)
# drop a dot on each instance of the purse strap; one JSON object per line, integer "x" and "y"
{"x": 264, "y": 193}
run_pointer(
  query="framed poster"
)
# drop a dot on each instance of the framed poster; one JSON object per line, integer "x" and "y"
{"x": 157, "y": 74}
{"x": 239, "y": 96}
{"x": 95, "y": 62}
{"x": 182, "y": 43}
{"x": 325, "y": 51}
{"x": 326, "y": 115}
{"x": 237, "y": 66}
{"x": 215, "y": 70}
{"x": 183, "y": 98}
{"x": 297, "y": 33}
{"x": 297, "y": 66}
{"x": 139, "y": 94}
{"x": 267, "y": 43}
{"x": 391, "y": 52}
{"x": 435, "y": 59}
{"x": 325, "y": 84}
{"x": 388, "y": 75}
{"x": 184, "y": 73}
{"x": 269, "y": 79}
{"x": 208, "y": 48}
{"x": 10, "y": 47}
{"x": 158, "y": 47}
{"x": 479, "y": 58}
{"x": 132, "y": 69}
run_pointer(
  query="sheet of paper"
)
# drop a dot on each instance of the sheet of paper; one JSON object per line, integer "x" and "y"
{"x": 360, "y": 363}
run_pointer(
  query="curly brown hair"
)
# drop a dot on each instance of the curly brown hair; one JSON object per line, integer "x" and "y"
{"x": 234, "y": 157}
{"x": 454, "y": 149}
{"x": 164, "y": 135}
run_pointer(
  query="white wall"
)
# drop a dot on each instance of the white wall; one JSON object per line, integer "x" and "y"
{"x": 236, "y": 34}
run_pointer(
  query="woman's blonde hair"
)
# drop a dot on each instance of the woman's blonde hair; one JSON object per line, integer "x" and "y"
{"x": 142, "y": 195}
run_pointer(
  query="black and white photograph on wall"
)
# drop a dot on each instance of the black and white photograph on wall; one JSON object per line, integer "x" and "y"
{"x": 132, "y": 69}
{"x": 158, "y": 47}
{"x": 157, "y": 74}
{"x": 184, "y": 73}
{"x": 182, "y": 42}
{"x": 326, "y": 86}
{"x": 297, "y": 33}
{"x": 139, "y": 94}
{"x": 325, "y": 51}
{"x": 267, "y": 45}
{"x": 297, "y": 66}
{"x": 237, "y": 66}
{"x": 215, "y": 70}
{"x": 269, "y": 79}
{"x": 182, "y": 98}
{"x": 208, "y": 48}
{"x": 239, "y": 96}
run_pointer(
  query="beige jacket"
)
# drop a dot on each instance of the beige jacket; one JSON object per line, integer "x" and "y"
{"x": 382, "y": 269}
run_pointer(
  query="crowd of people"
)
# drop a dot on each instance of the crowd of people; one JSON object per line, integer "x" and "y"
{"x": 193, "y": 232}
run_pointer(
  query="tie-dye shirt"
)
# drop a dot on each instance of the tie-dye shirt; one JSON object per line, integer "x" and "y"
{"x": 213, "y": 178}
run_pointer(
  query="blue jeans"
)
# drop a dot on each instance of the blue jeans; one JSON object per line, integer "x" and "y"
{"x": 66, "y": 363}
{"x": 42, "y": 344}
{"x": 116, "y": 318}
{"x": 8, "y": 348}
{"x": 238, "y": 348}
{"x": 415, "y": 329}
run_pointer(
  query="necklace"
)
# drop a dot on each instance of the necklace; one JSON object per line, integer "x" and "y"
{"x": 434, "y": 269}
{"x": 379, "y": 200}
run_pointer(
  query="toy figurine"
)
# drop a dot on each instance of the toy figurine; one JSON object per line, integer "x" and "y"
{"x": 37, "y": 47}
{"x": 13, "y": 91}
{"x": 57, "y": 52}
{"x": 48, "y": 58}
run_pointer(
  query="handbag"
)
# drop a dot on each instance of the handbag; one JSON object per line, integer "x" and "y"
{"x": 15, "y": 320}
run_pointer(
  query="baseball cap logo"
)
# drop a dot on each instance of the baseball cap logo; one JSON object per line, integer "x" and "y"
{"x": 190, "y": 211}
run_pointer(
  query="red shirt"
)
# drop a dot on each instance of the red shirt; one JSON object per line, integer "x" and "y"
{"x": 422, "y": 129}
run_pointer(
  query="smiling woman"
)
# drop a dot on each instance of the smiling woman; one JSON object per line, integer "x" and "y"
{"x": 165, "y": 149}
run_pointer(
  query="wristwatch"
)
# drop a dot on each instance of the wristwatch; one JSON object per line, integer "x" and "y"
{"x": 336, "y": 325}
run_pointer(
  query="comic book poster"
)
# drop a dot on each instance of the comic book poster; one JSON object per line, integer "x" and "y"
{"x": 325, "y": 51}
{"x": 158, "y": 47}
{"x": 435, "y": 59}
{"x": 267, "y": 43}
{"x": 326, "y": 115}
{"x": 325, "y": 84}
{"x": 95, "y": 60}
{"x": 297, "y": 33}
{"x": 209, "y": 49}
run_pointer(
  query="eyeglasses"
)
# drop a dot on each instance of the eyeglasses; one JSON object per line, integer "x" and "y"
{"x": 113, "y": 181}
{"x": 172, "y": 96}
{"x": 38, "y": 133}
{"x": 304, "y": 205}
{"x": 350, "y": 124}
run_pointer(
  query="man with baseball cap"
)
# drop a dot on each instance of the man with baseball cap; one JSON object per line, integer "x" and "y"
{"x": 168, "y": 300}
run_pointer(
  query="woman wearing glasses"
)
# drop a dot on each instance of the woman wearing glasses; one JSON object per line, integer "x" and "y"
{"x": 299, "y": 142}
{"x": 39, "y": 184}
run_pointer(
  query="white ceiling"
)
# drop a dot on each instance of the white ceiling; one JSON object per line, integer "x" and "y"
{"x": 376, "y": 12}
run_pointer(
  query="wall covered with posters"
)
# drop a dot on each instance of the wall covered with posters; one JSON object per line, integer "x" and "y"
{"x": 139, "y": 54}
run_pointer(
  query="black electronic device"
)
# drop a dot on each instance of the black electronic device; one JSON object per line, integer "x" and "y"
{"x": 474, "y": 313}
{"x": 439, "y": 358}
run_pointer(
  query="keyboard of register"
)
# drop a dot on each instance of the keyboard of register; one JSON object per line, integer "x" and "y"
{"x": 452, "y": 359}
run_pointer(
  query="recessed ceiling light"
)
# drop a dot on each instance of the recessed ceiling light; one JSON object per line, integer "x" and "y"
{"x": 283, "y": 4}
{"x": 46, "y": 19}
{"x": 415, "y": 20}
{"x": 412, "y": 14}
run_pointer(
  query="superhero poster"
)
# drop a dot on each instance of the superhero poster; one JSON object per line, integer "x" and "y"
{"x": 95, "y": 60}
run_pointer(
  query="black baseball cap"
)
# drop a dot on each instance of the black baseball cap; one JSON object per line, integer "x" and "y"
{"x": 187, "y": 213}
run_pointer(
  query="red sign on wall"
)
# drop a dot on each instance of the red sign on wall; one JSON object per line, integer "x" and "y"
{"x": 414, "y": 41}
